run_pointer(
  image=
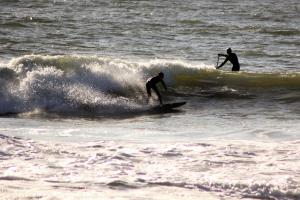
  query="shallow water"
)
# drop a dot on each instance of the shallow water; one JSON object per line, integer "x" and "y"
{"x": 106, "y": 169}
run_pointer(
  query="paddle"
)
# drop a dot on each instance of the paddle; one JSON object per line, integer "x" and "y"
{"x": 218, "y": 61}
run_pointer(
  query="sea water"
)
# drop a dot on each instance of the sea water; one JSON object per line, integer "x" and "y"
{"x": 75, "y": 122}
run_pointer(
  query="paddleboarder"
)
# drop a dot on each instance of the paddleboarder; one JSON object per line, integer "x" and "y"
{"x": 232, "y": 57}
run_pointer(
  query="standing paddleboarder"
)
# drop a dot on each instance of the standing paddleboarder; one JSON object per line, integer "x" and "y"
{"x": 232, "y": 57}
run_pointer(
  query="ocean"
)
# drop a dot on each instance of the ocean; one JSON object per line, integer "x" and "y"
{"x": 74, "y": 117}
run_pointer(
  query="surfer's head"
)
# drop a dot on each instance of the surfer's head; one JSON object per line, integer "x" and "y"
{"x": 229, "y": 50}
{"x": 161, "y": 75}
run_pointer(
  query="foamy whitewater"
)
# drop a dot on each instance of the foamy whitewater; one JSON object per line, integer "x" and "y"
{"x": 75, "y": 122}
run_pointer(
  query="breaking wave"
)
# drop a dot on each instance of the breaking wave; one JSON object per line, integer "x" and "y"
{"x": 103, "y": 86}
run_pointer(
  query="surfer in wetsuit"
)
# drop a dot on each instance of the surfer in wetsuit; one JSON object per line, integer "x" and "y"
{"x": 232, "y": 57}
{"x": 151, "y": 84}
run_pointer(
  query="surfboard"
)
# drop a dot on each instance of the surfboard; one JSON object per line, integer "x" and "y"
{"x": 168, "y": 106}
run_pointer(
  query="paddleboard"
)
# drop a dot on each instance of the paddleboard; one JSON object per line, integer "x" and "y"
{"x": 169, "y": 106}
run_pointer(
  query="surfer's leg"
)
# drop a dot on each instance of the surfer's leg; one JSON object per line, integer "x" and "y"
{"x": 157, "y": 93}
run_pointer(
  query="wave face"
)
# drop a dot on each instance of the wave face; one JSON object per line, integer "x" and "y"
{"x": 104, "y": 86}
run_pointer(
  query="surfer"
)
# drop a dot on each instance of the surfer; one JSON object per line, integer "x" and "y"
{"x": 232, "y": 57}
{"x": 151, "y": 84}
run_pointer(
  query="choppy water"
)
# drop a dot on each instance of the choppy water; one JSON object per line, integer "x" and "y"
{"x": 264, "y": 34}
{"x": 76, "y": 71}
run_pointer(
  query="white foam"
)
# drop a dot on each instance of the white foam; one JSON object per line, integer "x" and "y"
{"x": 81, "y": 83}
{"x": 231, "y": 169}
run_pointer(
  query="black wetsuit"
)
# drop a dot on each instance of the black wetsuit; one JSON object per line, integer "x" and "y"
{"x": 151, "y": 83}
{"x": 232, "y": 57}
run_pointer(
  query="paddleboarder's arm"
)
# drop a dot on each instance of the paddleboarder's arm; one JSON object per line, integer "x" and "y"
{"x": 222, "y": 55}
{"x": 227, "y": 58}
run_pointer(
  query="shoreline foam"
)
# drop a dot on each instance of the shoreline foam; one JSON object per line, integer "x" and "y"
{"x": 118, "y": 169}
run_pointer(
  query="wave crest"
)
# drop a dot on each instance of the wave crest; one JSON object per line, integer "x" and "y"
{"x": 90, "y": 84}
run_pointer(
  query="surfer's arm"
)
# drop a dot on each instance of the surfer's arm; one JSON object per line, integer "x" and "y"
{"x": 222, "y": 55}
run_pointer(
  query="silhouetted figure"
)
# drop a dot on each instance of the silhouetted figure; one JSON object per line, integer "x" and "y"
{"x": 232, "y": 57}
{"x": 151, "y": 84}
